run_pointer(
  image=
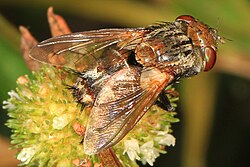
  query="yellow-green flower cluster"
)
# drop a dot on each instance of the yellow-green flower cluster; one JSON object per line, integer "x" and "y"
{"x": 43, "y": 115}
{"x": 148, "y": 138}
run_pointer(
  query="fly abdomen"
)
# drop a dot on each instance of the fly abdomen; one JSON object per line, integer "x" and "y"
{"x": 82, "y": 93}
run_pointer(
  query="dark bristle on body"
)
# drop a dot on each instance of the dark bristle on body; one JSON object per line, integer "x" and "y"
{"x": 132, "y": 61}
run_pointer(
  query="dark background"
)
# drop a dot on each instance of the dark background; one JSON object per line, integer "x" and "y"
{"x": 214, "y": 107}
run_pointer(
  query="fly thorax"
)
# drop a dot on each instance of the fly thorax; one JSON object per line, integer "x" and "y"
{"x": 170, "y": 50}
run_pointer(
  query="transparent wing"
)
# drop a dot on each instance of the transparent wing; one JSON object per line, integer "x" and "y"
{"x": 80, "y": 50}
{"x": 120, "y": 104}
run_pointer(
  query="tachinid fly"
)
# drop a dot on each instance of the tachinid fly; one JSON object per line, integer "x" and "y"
{"x": 122, "y": 72}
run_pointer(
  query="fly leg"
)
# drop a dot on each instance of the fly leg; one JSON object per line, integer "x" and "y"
{"x": 163, "y": 102}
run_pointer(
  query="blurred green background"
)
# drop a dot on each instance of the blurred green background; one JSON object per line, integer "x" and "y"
{"x": 214, "y": 107}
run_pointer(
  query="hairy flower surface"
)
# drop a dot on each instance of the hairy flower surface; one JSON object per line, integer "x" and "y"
{"x": 48, "y": 125}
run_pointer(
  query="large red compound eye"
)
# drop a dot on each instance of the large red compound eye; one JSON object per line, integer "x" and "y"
{"x": 210, "y": 58}
{"x": 186, "y": 18}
